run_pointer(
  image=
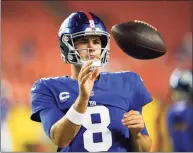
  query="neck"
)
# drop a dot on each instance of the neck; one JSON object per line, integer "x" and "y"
{"x": 75, "y": 70}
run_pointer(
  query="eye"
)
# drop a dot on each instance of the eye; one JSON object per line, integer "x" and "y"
{"x": 84, "y": 42}
{"x": 97, "y": 42}
{"x": 81, "y": 43}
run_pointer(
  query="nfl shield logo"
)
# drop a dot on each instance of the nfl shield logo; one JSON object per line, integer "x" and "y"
{"x": 92, "y": 93}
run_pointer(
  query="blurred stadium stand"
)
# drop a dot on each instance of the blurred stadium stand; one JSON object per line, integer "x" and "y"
{"x": 30, "y": 51}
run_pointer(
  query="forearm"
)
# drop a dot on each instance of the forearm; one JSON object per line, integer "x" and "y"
{"x": 64, "y": 131}
{"x": 140, "y": 143}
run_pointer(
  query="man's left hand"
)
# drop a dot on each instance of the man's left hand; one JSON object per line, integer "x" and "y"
{"x": 134, "y": 121}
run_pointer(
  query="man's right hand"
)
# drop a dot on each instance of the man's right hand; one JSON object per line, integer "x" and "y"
{"x": 64, "y": 131}
{"x": 86, "y": 80}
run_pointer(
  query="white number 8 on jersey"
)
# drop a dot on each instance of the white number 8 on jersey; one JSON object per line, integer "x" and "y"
{"x": 106, "y": 143}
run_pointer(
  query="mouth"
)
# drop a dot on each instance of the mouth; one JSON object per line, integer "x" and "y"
{"x": 96, "y": 61}
{"x": 93, "y": 57}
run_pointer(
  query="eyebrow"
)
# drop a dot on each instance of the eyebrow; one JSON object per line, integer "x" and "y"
{"x": 86, "y": 39}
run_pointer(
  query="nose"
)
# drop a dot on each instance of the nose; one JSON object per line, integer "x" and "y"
{"x": 91, "y": 46}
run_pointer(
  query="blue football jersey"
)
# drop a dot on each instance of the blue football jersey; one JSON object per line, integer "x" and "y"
{"x": 181, "y": 113}
{"x": 112, "y": 96}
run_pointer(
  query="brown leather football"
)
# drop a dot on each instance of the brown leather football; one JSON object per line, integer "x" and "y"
{"x": 139, "y": 39}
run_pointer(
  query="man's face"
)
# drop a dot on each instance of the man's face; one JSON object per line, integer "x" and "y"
{"x": 89, "y": 47}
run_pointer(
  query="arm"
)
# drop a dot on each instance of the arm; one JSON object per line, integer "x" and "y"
{"x": 139, "y": 140}
{"x": 64, "y": 131}
{"x": 140, "y": 143}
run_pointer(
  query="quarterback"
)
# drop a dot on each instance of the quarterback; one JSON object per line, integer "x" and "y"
{"x": 90, "y": 111}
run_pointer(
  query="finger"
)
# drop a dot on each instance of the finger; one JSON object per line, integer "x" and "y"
{"x": 132, "y": 112}
{"x": 85, "y": 78}
{"x": 132, "y": 117}
{"x": 95, "y": 74}
{"x": 85, "y": 65}
{"x": 141, "y": 126}
{"x": 133, "y": 122}
{"x": 84, "y": 72}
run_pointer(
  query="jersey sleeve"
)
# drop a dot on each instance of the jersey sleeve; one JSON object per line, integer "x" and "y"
{"x": 141, "y": 96}
{"x": 44, "y": 108}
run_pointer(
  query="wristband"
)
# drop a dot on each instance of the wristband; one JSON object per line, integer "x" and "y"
{"x": 74, "y": 116}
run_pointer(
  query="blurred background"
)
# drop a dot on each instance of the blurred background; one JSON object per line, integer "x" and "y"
{"x": 30, "y": 50}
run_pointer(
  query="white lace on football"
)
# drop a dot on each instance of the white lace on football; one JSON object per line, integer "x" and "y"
{"x": 142, "y": 22}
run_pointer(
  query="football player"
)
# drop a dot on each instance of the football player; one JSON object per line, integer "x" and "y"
{"x": 91, "y": 110}
{"x": 180, "y": 113}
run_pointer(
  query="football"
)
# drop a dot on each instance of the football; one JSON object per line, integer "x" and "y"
{"x": 139, "y": 40}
